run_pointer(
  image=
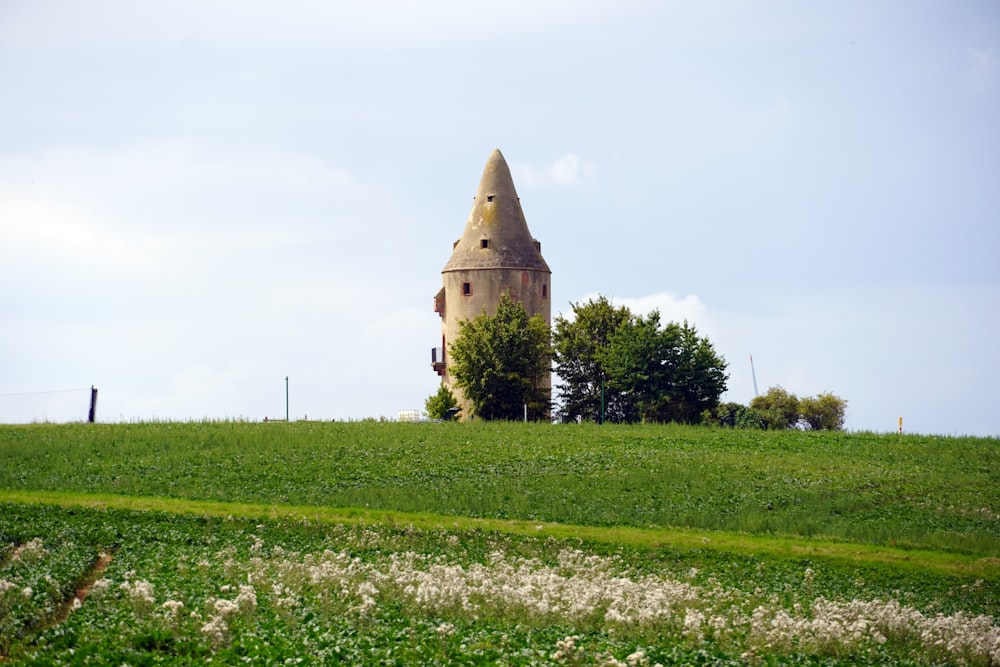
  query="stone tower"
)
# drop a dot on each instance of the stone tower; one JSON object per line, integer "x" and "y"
{"x": 495, "y": 254}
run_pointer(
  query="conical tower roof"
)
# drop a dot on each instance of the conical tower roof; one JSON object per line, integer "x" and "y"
{"x": 496, "y": 234}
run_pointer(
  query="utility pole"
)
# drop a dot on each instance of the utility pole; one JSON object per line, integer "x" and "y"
{"x": 92, "y": 414}
{"x": 286, "y": 398}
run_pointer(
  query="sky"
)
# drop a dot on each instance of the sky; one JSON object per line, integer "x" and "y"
{"x": 200, "y": 199}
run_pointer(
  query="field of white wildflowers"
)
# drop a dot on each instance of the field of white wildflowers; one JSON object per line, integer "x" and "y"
{"x": 90, "y": 586}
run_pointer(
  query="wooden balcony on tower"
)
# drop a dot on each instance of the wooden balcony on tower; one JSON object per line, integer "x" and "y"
{"x": 437, "y": 360}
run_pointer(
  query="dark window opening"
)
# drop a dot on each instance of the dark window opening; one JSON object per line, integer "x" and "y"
{"x": 466, "y": 289}
{"x": 484, "y": 243}
{"x": 545, "y": 291}
{"x": 489, "y": 197}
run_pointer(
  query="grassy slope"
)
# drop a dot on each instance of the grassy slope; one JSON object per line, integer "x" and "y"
{"x": 785, "y": 547}
{"x": 664, "y": 499}
{"x": 911, "y": 491}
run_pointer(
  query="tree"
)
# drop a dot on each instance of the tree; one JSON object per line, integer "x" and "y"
{"x": 699, "y": 375}
{"x": 665, "y": 374}
{"x": 578, "y": 345}
{"x": 727, "y": 414}
{"x": 637, "y": 358}
{"x": 750, "y": 418}
{"x": 442, "y": 405}
{"x": 778, "y": 408}
{"x": 824, "y": 412}
{"x": 502, "y": 362}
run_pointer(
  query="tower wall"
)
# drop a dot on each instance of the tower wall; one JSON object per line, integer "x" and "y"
{"x": 495, "y": 255}
{"x": 531, "y": 288}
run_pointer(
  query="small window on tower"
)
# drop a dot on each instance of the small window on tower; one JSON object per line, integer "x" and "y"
{"x": 545, "y": 291}
{"x": 466, "y": 289}
{"x": 489, "y": 197}
{"x": 484, "y": 243}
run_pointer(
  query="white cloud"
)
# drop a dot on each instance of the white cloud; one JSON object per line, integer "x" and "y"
{"x": 672, "y": 307}
{"x": 984, "y": 64}
{"x": 567, "y": 171}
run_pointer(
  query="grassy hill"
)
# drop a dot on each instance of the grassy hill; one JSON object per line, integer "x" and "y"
{"x": 528, "y": 544}
{"x": 915, "y": 491}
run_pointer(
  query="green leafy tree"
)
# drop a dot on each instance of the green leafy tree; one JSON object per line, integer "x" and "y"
{"x": 823, "y": 412}
{"x": 778, "y": 408}
{"x": 442, "y": 405}
{"x": 502, "y": 362}
{"x": 699, "y": 375}
{"x": 637, "y": 358}
{"x": 727, "y": 414}
{"x": 750, "y": 418}
{"x": 735, "y": 415}
{"x": 664, "y": 373}
{"x": 578, "y": 345}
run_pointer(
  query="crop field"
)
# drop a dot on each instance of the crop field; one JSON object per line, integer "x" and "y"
{"x": 381, "y": 543}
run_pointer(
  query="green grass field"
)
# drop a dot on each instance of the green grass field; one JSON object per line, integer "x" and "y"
{"x": 384, "y": 542}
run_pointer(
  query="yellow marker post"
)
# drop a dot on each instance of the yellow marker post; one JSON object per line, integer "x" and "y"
{"x": 901, "y": 426}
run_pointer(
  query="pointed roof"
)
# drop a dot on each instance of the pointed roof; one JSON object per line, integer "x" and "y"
{"x": 497, "y": 219}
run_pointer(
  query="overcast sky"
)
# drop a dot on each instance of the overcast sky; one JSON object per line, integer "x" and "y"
{"x": 200, "y": 199}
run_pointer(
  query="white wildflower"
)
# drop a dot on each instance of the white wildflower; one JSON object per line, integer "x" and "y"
{"x": 30, "y": 551}
{"x": 693, "y": 621}
{"x": 366, "y": 605}
{"x": 225, "y": 607}
{"x": 247, "y": 599}
{"x": 173, "y": 607}
{"x": 142, "y": 590}
{"x": 100, "y": 586}
{"x": 215, "y": 629}
{"x": 637, "y": 659}
{"x": 140, "y": 593}
{"x": 567, "y": 650}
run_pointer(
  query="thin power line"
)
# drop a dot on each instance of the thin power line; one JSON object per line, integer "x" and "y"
{"x": 51, "y": 391}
